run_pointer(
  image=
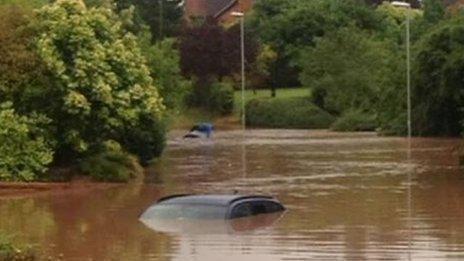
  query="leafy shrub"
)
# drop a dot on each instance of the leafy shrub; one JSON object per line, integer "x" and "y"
{"x": 20, "y": 68}
{"x": 9, "y": 252}
{"x": 24, "y": 150}
{"x": 286, "y": 113}
{"x": 355, "y": 121}
{"x": 146, "y": 140}
{"x": 221, "y": 97}
{"x": 346, "y": 70}
{"x": 163, "y": 61}
{"x": 213, "y": 95}
{"x": 100, "y": 87}
{"x": 437, "y": 98}
{"x": 111, "y": 163}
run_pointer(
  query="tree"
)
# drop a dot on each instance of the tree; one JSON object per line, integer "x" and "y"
{"x": 437, "y": 95}
{"x": 289, "y": 26}
{"x": 261, "y": 72}
{"x": 164, "y": 63}
{"x": 20, "y": 67}
{"x": 347, "y": 70}
{"x": 99, "y": 84}
{"x": 210, "y": 50}
{"x": 164, "y": 17}
{"x": 25, "y": 151}
{"x": 434, "y": 11}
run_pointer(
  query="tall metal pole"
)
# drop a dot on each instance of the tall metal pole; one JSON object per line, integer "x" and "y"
{"x": 408, "y": 79}
{"x": 242, "y": 37}
{"x": 408, "y": 68}
{"x": 160, "y": 6}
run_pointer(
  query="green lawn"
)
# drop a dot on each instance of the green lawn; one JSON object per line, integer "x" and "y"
{"x": 280, "y": 93}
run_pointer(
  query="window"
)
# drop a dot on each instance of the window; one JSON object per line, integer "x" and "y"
{"x": 252, "y": 208}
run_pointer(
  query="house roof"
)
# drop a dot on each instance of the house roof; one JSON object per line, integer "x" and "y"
{"x": 214, "y": 8}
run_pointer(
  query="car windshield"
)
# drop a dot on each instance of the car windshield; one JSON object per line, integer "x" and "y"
{"x": 193, "y": 211}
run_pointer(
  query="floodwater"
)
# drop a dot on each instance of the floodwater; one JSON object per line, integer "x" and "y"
{"x": 349, "y": 197}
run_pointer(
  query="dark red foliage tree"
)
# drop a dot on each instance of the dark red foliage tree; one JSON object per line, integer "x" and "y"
{"x": 211, "y": 50}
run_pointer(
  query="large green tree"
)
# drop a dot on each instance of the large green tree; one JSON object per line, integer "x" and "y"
{"x": 100, "y": 87}
{"x": 348, "y": 69}
{"x": 20, "y": 67}
{"x": 163, "y": 17}
{"x": 438, "y": 87}
{"x": 164, "y": 63}
{"x": 25, "y": 149}
{"x": 289, "y": 26}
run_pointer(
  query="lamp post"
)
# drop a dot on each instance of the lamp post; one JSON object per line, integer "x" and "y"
{"x": 408, "y": 58}
{"x": 241, "y": 16}
{"x": 160, "y": 6}
{"x": 408, "y": 85}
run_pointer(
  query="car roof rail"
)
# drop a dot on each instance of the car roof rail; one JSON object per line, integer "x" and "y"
{"x": 251, "y": 197}
{"x": 172, "y": 196}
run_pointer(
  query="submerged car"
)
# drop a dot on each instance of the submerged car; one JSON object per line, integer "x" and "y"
{"x": 212, "y": 207}
{"x": 212, "y": 226}
{"x": 200, "y": 130}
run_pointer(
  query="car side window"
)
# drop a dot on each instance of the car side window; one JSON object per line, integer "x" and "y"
{"x": 272, "y": 207}
{"x": 252, "y": 208}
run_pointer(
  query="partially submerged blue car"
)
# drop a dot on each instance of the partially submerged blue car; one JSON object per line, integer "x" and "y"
{"x": 212, "y": 207}
{"x": 200, "y": 130}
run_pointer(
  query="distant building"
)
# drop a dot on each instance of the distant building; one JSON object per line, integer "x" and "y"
{"x": 218, "y": 9}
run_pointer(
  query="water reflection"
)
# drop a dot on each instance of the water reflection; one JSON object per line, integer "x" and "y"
{"x": 346, "y": 195}
{"x": 213, "y": 226}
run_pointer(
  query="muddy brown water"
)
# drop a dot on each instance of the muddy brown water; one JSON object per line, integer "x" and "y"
{"x": 349, "y": 197}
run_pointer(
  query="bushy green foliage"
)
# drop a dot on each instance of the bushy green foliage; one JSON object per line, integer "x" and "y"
{"x": 163, "y": 61}
{"x": 355, "y": 121}
{"x": 348, "y": 69}
{"x": 111, "y": 163}
{"x": 434, "y": 11}
{"x": 146, "y": 140}
{"x": 100, "y": 87}
{"x": 218, "y": 97}
{"x": 289, "y": 26}
{"x": 25, "y": 151}
{"x": 260, "y": 75}
{"x": 164, "y": 18}
{"x": 221, "y": 97}
{"x": 9, "y": 252}
{"x": 393, "y": 23}
{"x": 438, "y": 87}
{"x": 20, "y": 68}
{"x": 298, "y": 113}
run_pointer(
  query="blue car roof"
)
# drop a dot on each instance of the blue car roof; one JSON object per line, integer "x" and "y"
{"x": 220, "y": 200}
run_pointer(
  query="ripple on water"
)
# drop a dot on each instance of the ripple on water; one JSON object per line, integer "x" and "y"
{"x": 350, "y": 196}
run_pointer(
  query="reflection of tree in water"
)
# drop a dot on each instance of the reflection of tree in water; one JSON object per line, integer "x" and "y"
{"x": 105, "y": 225}
{"x": 100, "y": 224}
{"x": 29, "y": 220}
{"x": 438, "y": 205}
{"x": 345, "y": 199}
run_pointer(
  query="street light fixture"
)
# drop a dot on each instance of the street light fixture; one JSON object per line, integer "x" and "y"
{"x": 241, "y": 16}
{"x": 408, "y": 58}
